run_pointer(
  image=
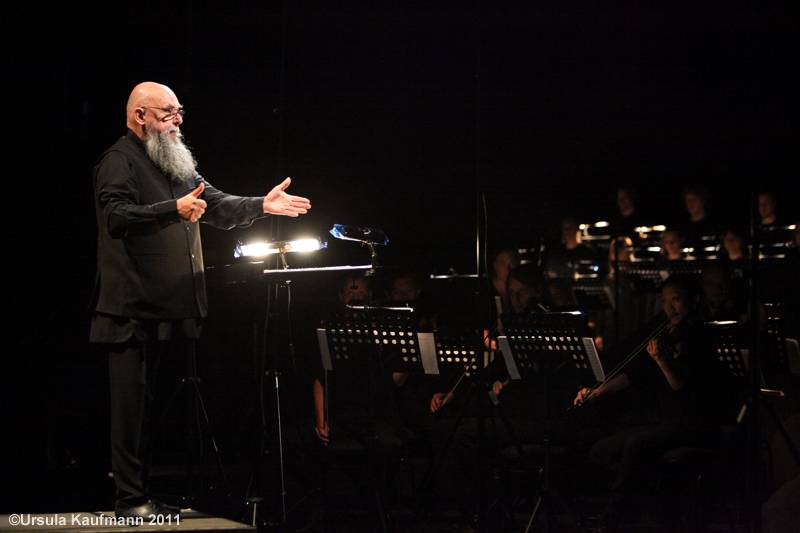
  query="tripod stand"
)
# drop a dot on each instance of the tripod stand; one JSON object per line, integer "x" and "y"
{"x": 265, "y": 373}
{"x": 279, "y": 296}
{"x": 196, "y": 405}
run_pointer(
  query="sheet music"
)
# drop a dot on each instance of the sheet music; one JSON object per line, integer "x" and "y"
{"x": 594, "y": 359}
{"x": 427, "y": 350}
{"x": 508, "y": 357}
{"x": 324, "y": 351}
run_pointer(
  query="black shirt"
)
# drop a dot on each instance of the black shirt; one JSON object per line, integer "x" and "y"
{"x": 693, "y": 233}
{"x": 150, "y": 261}
{"x": 697, "y": 403}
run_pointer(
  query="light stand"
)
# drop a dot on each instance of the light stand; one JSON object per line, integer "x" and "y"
{"x": 259, "y": 250}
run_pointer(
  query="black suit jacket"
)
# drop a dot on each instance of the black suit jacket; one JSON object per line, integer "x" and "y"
{"x": 149, "y": 260}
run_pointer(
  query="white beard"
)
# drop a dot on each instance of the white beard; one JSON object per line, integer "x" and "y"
{"x": 172, "y": 156}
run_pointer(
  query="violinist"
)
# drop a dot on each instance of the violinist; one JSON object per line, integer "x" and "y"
{"x": 680, "y": 372}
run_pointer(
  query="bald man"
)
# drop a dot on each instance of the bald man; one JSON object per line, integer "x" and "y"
{"x": 149, "y": 299}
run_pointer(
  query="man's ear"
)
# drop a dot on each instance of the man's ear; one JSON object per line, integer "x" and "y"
{"x": 138, "y": 116}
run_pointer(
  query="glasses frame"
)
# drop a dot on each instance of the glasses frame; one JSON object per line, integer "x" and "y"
{"x": 171, "y": 112}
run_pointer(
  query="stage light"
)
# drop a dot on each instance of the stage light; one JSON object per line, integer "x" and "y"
{"x": 305, "y": 245}
{"x": 262, "y": 249}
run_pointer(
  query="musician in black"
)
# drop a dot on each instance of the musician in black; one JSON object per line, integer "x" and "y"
{"x": 671, "y": 246}
{"x": 356, "y": 412}
{"x": 768, "y": 210}
{"x": 733, "y": 253}
{"x": 680, "y": 373}
{"x": 699, "y": 224}
{"x": 351, "y": 405}
{"x": 564, "y": 260}
{"x": 149, "y": 298}
{"x": 503, "y": 263}
{"x": 721, "y": 299}
{"x": 630, "y": 304}
{"x": 628, "y": 218}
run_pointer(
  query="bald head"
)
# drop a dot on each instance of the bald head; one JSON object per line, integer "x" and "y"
{"x": 155, "y": 116}
{"x": 148, "y": 95}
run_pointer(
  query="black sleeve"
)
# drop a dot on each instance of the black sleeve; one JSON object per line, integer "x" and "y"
{"x": 226, "y": 211}
{"x": 118, "y": 199}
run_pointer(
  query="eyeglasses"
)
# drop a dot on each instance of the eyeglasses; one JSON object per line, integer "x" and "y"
{"x": 171, "y": 112}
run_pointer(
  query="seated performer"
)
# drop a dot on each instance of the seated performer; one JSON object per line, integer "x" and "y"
{"x": 355, "y": 412}
{"x": 504, "y": 262}
{"x": 682, "y": 375}
{"x": 721, "y": 299}
{"x": 353, "y": 406}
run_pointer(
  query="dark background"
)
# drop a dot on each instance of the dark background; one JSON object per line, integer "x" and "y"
{"x": 386, "y": 114}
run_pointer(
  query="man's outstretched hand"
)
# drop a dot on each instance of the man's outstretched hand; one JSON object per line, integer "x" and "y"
{"x": 277, "y": 202}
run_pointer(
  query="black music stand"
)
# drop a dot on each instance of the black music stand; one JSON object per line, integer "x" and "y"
{"x": 686, "y": 267}
{"x": 776, "y": 337}
{"x": 540, "y": 345}
{"x": 459, "y": 351}
{"x": 730, "y": 348}
{"x": 386, "y": 335}
{"x": 645, "y": 275}
{"x": 592, "y": 294}
{"x": 649, "y": 275}
{"x": 383, "y": 339}
{"x": 277, "y": 279}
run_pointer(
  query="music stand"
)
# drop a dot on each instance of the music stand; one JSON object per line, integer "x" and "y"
{"x": 383, "y": 340}
{"x": 592, "y": 294}
{"x": 649, "y": 275}
{"x": 686, "y": 267}
{"x": 539, "y": 345}
{"x": 776, "y": 337}
{"x": 364, "y": 333}
{"x": 276, "y": 279}
{"x": 730, "y": 349}
{"x": 645, "y": 275}
{"x": 536, "y": 339}
{"x": 461, "y": 351}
